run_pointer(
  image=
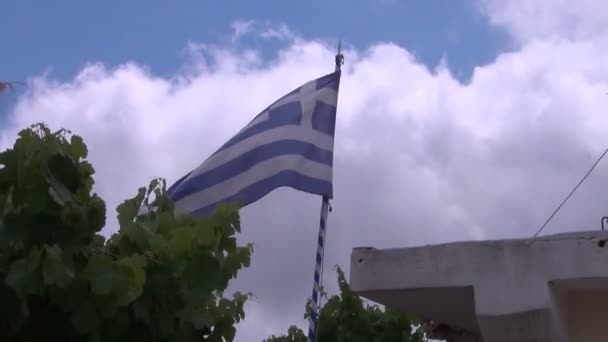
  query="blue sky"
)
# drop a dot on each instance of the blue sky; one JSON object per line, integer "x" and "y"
{"x": 61, "y": 36}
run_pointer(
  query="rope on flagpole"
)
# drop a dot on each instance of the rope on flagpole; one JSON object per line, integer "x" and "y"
{"x": 316, "y": 290}
{"x": 318, "y": 277}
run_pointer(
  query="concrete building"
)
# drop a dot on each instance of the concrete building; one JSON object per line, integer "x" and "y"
{"x": 552, "y": 288}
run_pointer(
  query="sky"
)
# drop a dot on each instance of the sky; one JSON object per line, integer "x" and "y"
{"x": 459, "y": 120}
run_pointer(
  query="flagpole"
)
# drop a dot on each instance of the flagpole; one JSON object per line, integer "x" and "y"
{"x": 318, "y": 276}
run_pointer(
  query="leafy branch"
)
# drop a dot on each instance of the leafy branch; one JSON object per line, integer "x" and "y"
{"x": 161, "y": 277}
{"x": 346, "y": 317}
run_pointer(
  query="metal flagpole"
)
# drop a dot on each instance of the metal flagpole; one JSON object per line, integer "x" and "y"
{"x": 318, "y": 277}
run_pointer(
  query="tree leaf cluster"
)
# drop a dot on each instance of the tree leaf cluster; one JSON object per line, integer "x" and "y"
{"x": 161, "y": 277}
{"x": 345, "y": 317}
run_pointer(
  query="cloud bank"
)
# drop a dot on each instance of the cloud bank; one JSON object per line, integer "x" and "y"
{"x": 420, "y": 158}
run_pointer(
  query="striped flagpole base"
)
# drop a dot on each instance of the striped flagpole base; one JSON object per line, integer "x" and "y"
{"x": 314, "y": 310}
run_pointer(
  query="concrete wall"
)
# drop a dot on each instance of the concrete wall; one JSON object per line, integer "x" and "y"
{"x": 551, "y": 289}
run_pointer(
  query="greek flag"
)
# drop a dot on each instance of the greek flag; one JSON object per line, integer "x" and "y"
{"x": 290, "y": 143}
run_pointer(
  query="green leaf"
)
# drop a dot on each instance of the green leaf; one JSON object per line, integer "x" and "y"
{"x": 103, "y": 275}
{"x": 136, "y": 278}
{"x": 201, "y": 318}
{"x": 98, "y": 240}
{"x": 166, "y": 326}
{"x": 128, "y": 210}
{"x": 181, "y": 241}
{"x": 202, "y": 273}
{"x": 33, "y": 259}
{"x": 137, "y": 234}
{"x": 229, "y": 244}
{"x": 141, "y": 312}
{"x": 153, "y": 185}
{"x": 77, "y": 148}
{"x": 64, "y": 174}
{"x": 23, "y": 276}
{"x": 85, "y": 319}
{"x": 8, "y": 203}
{"x": 72, "y": 297}
{"x": 230, "y": 333}
{"x": 158, "y": 245}
{"x": 206, "y": 237}
{"x": 105, "y": 283}
{"x": 85, "y": 171}
{"x": 55, "y": 196}
{"x": 54, "y": 270}
{"x": 117, "y": 326}
{"x": 59, "y": 192}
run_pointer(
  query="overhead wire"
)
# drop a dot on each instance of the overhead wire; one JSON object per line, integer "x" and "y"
{"x": 571, "y": 192}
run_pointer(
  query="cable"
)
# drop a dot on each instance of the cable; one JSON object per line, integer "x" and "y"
{"x": 571, "y": 192}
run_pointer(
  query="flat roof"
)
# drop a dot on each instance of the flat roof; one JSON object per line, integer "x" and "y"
{"x": 481, "y": 285}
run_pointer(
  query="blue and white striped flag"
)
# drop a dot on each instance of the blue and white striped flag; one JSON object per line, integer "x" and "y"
{"x": 290, "y": 143}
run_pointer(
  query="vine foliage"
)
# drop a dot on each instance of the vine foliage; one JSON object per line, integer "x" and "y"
{"x": 160, "y": 277}
{"x": 345, "y": 317}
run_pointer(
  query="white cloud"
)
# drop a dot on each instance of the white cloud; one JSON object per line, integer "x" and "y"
{"x": 282, "y": 32}
{"x": 262, "y": 29}
{"x": 582, "y": 19}
{"x": 241, "y": 28}
{"x": 420, "y": 158}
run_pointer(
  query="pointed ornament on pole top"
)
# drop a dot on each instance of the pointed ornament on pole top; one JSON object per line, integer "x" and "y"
{"x": 339, "y": 57}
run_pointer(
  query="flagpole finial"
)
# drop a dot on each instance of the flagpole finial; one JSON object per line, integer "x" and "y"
{"x": 339, "y": 57}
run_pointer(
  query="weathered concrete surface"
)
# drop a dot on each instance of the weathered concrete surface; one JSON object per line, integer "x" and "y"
{"x": 552, "y": 288}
